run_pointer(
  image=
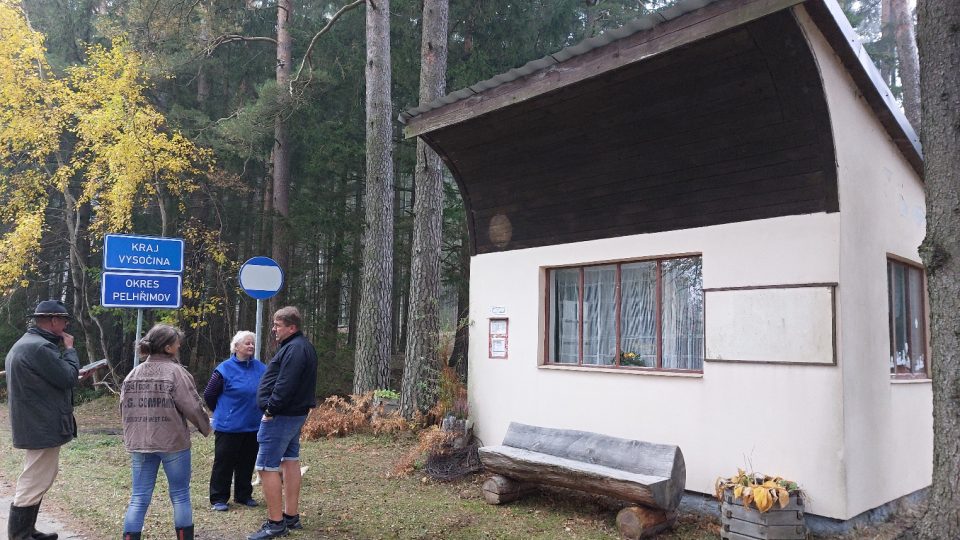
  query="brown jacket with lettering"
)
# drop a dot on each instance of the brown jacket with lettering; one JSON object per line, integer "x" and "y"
{"x": 156, "y": 401}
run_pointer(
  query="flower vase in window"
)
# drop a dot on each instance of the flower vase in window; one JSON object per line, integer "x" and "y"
{"x": 630, "y": 359}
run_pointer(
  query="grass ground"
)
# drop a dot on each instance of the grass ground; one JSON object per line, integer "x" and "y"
{"x": 346, "y": 494}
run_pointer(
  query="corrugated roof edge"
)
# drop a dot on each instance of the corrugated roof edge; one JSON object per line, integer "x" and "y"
{"x": 640, "y": 24}
{"x": 648, "y": 22}
{"x": 870, "y": 69}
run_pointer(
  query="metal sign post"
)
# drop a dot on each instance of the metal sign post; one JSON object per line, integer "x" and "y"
{"x": 256, "y": 348}
{"x": 136, "y": 343}
{"x": 260, "y": 278}
{"x": 148, "y": 277}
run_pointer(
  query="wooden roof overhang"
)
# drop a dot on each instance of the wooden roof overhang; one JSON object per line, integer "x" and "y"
{"x": 713, "y": 116}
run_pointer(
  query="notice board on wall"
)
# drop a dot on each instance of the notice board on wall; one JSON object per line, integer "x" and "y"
{"x": 499, "y": 332}
{"x": 790, "y": 324}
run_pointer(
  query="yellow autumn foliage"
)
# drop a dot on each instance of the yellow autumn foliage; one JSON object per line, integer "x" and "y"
{"x": 91, "y": 134}
{"x": 760, "y": 490}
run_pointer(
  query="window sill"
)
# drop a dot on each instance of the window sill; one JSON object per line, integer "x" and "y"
{"x": 910, "y": 380}
{"x": 625, "y": 371}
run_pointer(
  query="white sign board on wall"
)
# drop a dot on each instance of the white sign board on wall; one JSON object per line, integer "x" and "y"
{"x": 791, "y": 324}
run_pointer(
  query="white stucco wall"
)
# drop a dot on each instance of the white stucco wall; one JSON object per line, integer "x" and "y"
{"x": 888, "y": 433}
{"x": 782, "y": 419}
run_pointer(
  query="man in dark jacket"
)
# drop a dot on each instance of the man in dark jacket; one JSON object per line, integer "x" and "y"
{"x": 287, "y": 392}
{"x": 40, "y": 381}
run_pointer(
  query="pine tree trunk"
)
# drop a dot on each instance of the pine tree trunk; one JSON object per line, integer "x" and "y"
{"x": 938, "y": 31}
{"x": 372, "y": 360}
{"x": 203, "y": 81}
{"x": 281, "y": 147}
{"x": 459, "y": 358}
{"x": 333, "y": 277}
{"x": 907, "y": 61}
{"x": 886, "y": 57}
{"x": 423, "y": 324}
{"x": 356, "y": 269}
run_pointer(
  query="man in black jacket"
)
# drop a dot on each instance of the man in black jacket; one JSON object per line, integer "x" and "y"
{"x": 287, "y": 392}
{"x": 40, "y": 381}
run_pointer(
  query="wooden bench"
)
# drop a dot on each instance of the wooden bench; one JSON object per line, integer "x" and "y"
{"x": 646, "y": 474}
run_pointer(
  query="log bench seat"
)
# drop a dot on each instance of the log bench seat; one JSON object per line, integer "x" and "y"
{"x": 647, "y": 474}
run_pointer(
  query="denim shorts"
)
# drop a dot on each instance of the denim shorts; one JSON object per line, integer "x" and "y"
{"x": 279, "y": 440}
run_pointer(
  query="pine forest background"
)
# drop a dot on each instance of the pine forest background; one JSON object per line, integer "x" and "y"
{"x": 205, "y": 75}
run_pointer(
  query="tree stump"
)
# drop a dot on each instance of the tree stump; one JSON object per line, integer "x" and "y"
{"x": 635, "y": 522}
{"x": 500, "y": 489}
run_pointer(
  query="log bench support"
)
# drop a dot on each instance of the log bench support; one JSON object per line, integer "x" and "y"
{"x": 635, "y": 522}
{"x": 650, "y": 476}
{"x": 500, "y": 489}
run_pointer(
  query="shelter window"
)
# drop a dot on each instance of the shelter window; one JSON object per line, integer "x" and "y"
{"x": 908, "y": 322}
{"x": 636, "y": 315}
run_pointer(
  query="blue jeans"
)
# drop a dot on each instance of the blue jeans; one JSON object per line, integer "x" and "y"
{"x": 143, "y": 467}
{"x": 279, "y": 440}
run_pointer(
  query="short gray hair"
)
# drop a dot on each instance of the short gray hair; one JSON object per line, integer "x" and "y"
{"x": 289, "y": 316}
{"x": 238, "y": 339}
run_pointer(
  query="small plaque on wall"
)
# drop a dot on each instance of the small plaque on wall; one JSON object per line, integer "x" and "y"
{"x": 499, "y": 333}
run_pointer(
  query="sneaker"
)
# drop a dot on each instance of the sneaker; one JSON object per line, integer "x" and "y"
{"x": 269, "y": 530}
{"x": 220, "y": 507}
{"x": 292, "y": 522}
{"x": 249, "y": 502}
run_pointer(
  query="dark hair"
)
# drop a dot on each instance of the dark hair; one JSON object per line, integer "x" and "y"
{"x": 158, "y": 338}
{"x": 289, "y": 315}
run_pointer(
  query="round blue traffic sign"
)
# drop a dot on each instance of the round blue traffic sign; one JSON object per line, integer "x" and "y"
{"x": 261, "y": 277}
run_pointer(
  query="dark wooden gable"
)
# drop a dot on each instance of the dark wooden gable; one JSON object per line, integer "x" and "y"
{"x": 731, "y": 128}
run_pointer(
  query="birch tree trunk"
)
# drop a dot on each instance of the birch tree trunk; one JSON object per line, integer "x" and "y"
{"x": 281, "y": 146}
{"x": 907, "y": 60}
{"x": 423, "y": 327}
{"x": 76, "y": 218}
{"x": 372, "y": 360}
{"x": 938, "y": 31}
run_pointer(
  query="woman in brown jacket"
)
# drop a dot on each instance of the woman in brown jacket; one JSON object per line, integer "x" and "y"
{"x": 157, "y": 399}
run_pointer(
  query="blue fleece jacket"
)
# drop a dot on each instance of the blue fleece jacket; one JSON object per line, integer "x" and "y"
{"x": 236, "y": 407}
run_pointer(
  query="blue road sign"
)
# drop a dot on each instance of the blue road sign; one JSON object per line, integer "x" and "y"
{"x": 261, "y": 277}
{"x": 140, "y": 290}
{"x": 144, "y": 253}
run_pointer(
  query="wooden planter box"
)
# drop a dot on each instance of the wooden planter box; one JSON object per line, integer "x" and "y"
{"x": 738, "y": 522}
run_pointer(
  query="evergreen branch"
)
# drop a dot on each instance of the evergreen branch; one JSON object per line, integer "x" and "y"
{"x": 306, "y": 55}
{"x": 230, "y": 38}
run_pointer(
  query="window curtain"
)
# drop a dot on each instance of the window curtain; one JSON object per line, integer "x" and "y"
{"x": 600, "y": 315}
{"x": 916, "y": 321}
{"x": 908, "y": 340}
{"x": 638, "y": 316}
{"x": 682, "y": 314}
{"x": 565, "y": 316}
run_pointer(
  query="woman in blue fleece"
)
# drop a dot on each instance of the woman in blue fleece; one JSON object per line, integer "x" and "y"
{"x": 232, "y": 396}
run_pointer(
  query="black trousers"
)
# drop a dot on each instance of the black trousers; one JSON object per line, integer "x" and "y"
{"x": 234, "y": 455}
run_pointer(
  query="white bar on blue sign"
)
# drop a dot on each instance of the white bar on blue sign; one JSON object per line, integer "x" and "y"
{"x": 261, "y": 278}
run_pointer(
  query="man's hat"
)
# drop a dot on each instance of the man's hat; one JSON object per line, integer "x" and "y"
{"x": 50, "y": 308}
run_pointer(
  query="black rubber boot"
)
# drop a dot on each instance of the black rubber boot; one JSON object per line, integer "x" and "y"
{"x": 20, "y": 523}
{"x": 34, "y": 533}
{"x": 131, "y": 536}
{"x": 185, "y": 533}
